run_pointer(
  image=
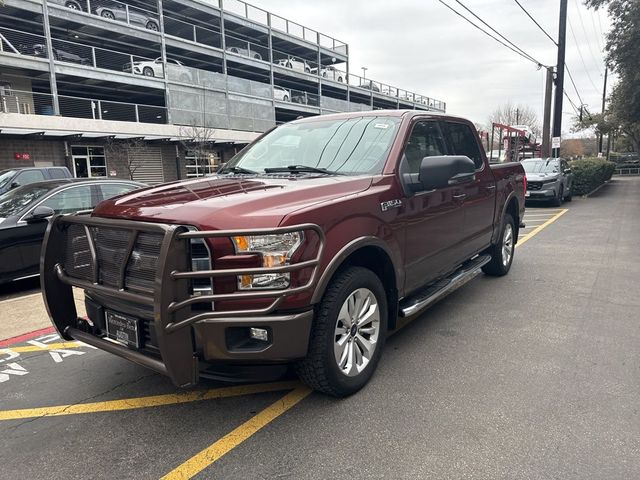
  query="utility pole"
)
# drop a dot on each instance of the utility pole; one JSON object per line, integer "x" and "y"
{"x": 604, "y": 97}
{"x": 517, "y": 116}
{"x": 546, "y": 121}
{"x": 557, "y": 111}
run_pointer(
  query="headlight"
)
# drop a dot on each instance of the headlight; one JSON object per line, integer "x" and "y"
{"x": 274, "y": 251}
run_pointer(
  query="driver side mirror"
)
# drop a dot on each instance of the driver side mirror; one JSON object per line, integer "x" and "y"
{"x": 567, "y": 170}
{"x": 39, "y": 214}
{"x": 441, "y": 172}
{"x": 14, "y": 185}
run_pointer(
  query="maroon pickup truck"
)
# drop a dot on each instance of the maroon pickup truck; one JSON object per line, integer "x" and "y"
{"x": 304, "y": 249}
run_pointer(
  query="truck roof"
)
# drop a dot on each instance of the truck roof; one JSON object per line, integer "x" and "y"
{"x": 376, "y": 113}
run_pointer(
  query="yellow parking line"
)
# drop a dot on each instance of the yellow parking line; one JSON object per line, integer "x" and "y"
{"x": 539, "y": 228}
{"x": 44, "y": 348}
{"x": 150, "y": 401}
{"x": 215, "y": 451}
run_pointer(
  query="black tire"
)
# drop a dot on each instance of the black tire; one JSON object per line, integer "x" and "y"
{"x": 340, "y": 79}
{"x": 307, "y": 70}
{"x": 497, "y": 267}
{"x": 320, "y": 370}
{"x": 257, "y": 56}
{"x": 569, "y": 197}
{"x": 153, "y": 26}
{"x": 72, "y": 6}
{"x": 107, "y": 14}
{"x": 285, "y": 98}
{"x": 148, "y": 72}
{"x": 557, "y": 200}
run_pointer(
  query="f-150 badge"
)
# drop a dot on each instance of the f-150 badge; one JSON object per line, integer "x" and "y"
{"x": 397, "y": 203}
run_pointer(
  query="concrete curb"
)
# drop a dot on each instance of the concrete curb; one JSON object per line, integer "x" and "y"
{"x": 587, "y": 195}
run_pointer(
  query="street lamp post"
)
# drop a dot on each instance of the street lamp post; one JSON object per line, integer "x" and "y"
{"x": 364, "y": 72}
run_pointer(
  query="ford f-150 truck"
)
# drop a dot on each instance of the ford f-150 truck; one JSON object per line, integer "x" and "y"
{"x": 304, "y": 249}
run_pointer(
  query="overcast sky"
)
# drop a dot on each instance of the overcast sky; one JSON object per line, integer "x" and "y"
{"x": 422, "y": 46}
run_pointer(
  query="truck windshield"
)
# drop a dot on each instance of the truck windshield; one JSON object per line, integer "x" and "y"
{"x": 357, "y": 145}
{"x": 541, "y": 166}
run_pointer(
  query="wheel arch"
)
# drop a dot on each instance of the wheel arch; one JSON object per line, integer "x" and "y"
{"x": 370, "y": 253}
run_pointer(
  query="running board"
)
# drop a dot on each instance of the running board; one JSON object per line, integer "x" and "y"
{"x": 431, "y": 294}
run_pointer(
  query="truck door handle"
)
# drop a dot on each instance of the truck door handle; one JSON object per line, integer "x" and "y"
{"x": 459, "y": 196}
{"x": 491, "y": 187}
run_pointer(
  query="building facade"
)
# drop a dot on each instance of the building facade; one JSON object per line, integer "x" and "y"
{"x": 164, "y": 89}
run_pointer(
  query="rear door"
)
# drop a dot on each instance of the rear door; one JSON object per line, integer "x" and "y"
{"x": 433, "y": 219}
{"x": 477, "y": 198}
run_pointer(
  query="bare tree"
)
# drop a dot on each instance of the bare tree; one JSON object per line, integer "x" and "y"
{"x": 197, "y": 140}
{"x": 510, "y": 114}
{"x": 126, "y": 152}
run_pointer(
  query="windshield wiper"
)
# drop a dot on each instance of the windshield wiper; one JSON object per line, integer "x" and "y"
{"x": 300, "y": 169}
{"x": 239, "y": 170}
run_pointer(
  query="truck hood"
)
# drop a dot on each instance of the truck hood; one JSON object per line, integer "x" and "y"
{"x": 230, "y": 202}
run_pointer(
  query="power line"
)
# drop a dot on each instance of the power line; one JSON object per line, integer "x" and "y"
{"x": 496, "y": 32}
{"x": 573, "y": 82}
{"x": 577, "y": 110}
{"x": 586, "y": 70}
{"x": 534, "y": 21}
{"x": 598, "y": 37}
{"x": 524, "y": 55}
{"x": 584, "y": 30}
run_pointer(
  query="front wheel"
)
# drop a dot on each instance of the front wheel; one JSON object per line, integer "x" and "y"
{"x": 153, "y": 26}
{"x": 557, "y": 200}
{"x": 569, "y": 196}
{"x": 502, "y": 252}
{"x": 348, "y": 334}
{"x": 107, "y": 14}
{"x": 148, "y": 72}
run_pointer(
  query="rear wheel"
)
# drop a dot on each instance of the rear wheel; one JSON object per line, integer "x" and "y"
{"x": 107, "y": 14}
{"x": 348, "y": 334}
{"x": 502, "y": 252}
{"x": 152, "y": 26}
{"x": 72, "y": 6}
{"x": 147, "y": 72}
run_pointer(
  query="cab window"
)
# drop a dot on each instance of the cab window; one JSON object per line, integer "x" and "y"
{"x": 462, "y": 140}
{"x": 426, "y": 140}
{"x": 29, "y": 176}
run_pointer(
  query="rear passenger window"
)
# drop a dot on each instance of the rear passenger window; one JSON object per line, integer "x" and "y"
{"x": 57, "y": 173}
{"x": 463, "y": 141}
{"x": 71, "y": 200}
{"x": 425, "y": 141}
{"x": 114, "y": 189}
{"x": 29, "y": 176}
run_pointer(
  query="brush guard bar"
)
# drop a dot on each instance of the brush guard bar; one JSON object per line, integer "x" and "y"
{"x": 171, "y": 299}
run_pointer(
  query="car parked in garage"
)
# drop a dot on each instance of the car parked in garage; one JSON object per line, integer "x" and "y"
{"x": 24, "y": 212}
{"x": 72, "y": 4}
{"x": 118, "y": 12}
{"x": 40, "y": 50}
{"x": 281, "y": 94}
{"x": 17, "y": 177}
{"x": 332, "y": 73}
{"x": 245, "y": 52}
{"x": 153, "y": 68}
{"x": 294, "y": 64}
{"x": 548, "y": 179}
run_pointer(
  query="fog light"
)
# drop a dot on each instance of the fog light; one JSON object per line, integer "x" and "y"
{"x": 259, "y": 334}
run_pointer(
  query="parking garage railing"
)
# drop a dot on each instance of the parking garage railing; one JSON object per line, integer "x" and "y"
{"x": 33, "y": 103}
{"x": 22, "y": 43}
{"x": 191, "y": 32}
{"x": 115, "y": 11}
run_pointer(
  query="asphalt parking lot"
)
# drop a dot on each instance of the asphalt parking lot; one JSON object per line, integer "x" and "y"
{"x": 533, "y": 375}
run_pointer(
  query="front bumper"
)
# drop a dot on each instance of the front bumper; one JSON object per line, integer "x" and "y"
{"x": 178, "y": 335}
{"x": 545, "y": 193}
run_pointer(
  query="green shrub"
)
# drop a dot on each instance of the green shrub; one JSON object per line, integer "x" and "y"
{"x": 590, "y": 173}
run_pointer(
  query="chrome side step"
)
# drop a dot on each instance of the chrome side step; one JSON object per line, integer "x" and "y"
{"x": 431, "y": 294}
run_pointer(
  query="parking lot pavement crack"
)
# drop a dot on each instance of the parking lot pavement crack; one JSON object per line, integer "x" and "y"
{"x": 84, "y": 400}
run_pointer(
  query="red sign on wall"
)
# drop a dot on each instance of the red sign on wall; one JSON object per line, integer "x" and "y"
{"x": 22, "y": 156}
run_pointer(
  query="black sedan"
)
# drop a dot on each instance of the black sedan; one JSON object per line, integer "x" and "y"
{"x": 24, "y": 212}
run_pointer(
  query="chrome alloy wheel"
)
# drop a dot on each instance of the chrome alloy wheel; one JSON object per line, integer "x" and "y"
{"x": 356, "y": 333}
{"x": 507, "y": 244}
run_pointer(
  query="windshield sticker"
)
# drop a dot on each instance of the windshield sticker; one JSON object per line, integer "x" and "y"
{"x": 381, "y": 125}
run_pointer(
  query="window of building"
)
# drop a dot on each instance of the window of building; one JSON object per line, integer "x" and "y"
{"x": 88, "y": 161}
{"x": 200, "y": 164}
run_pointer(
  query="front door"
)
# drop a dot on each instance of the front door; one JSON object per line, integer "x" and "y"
{"x": 433, "y": 219}
{"x": 81, "y": 166}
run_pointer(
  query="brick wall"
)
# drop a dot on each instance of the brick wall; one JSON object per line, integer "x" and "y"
{"x": 39, "y": 150}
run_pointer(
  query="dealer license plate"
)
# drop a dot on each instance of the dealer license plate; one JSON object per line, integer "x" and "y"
{"x": 123, "y": 329}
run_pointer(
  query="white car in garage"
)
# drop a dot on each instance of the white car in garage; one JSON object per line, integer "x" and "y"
{"x": 294, "y": 64}
{"x": 153, "y": 68}
{"x": 281, "y": 94}
{"x": 332, "y": 73}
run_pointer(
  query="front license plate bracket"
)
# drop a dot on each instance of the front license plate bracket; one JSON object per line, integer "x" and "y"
{"x": 124, "y": 329}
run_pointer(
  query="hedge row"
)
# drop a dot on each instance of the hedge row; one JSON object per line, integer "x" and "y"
{"x": 590, "y": 173}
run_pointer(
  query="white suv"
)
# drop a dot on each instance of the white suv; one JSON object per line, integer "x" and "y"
{"x": 153, "y": 68}
{"x": 294, "y": 64}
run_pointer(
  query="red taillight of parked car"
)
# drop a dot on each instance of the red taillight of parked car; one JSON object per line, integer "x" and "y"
{"x": 525, "y": 184}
